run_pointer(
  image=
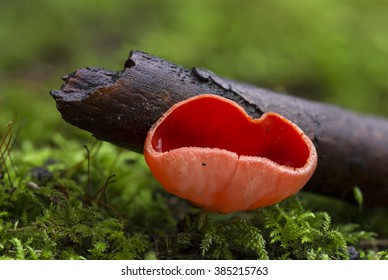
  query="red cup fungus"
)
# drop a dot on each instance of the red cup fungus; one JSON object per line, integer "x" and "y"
{"x": 207, "y": 150}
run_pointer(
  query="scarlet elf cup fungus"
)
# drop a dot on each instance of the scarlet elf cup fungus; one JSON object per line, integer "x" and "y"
{"x": 207, "y": 150}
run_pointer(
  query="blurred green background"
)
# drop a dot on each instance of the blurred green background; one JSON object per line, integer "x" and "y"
{"x": 329, "y": 50}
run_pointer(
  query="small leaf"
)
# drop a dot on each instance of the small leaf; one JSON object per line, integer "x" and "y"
{"x": 358, "y": 196}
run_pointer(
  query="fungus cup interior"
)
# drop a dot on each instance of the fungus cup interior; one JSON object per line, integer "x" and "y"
{"x": 207, "y": 150}
{"x": 214, "y": 122}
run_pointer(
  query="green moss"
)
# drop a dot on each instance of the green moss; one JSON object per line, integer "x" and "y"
{"x": 71, "y": 201}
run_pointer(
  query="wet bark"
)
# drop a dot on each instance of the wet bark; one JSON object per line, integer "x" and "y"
{"x": 119, "y": 107}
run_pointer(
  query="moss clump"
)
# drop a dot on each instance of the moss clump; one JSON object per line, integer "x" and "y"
{"x": 65, "y": 231}
{"x": 285, "y": 231}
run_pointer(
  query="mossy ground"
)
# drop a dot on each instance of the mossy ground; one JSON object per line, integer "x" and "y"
{"x": 100, "y": 202}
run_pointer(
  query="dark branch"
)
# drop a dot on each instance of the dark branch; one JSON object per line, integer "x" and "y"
{"x": 120, "y": 107}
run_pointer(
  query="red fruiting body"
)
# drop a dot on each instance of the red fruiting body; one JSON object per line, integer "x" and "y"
{"x": 207, "y": 150}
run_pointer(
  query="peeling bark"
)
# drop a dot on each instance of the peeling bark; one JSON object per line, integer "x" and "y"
{"x": 119, "y": 107}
